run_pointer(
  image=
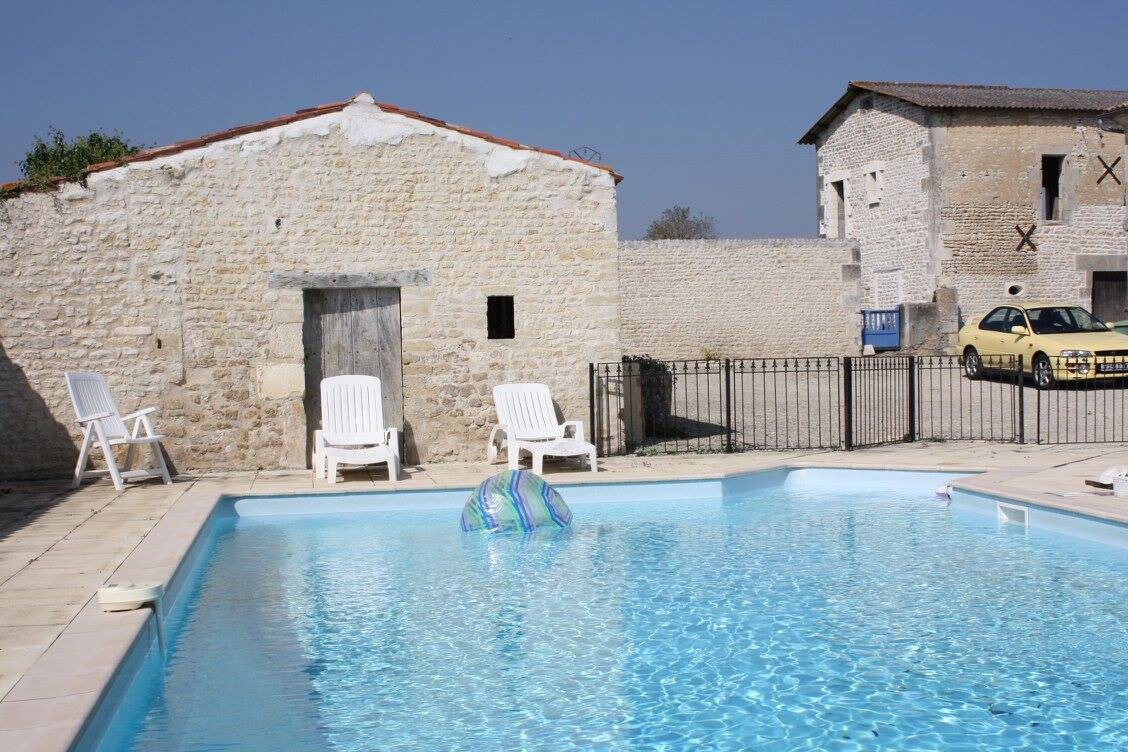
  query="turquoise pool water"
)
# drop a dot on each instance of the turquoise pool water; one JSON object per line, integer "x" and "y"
{"x": 812, "y": 616}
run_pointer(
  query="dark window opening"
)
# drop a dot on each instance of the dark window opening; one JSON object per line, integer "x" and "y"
{"x": 499, "y": 317}
{"x": 1051, "y": 185}
{"x": 839, "y": 199}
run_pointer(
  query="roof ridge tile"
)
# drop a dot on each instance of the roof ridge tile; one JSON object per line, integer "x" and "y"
{"x": 176, "y": 147}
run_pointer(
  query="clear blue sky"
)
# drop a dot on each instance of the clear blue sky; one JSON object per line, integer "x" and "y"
{"x": 695, "y": 103}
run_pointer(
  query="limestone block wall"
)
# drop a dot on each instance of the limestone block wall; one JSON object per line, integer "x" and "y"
{"x": 156, "y": 274}
{"x": 787, "y": 297}
{"x": 892, "y": 220}
{"x": 991, "y": 180}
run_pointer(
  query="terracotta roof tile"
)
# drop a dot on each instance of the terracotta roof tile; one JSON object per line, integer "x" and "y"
{"x": 1119, "y": 109}
{"x": 309, "y": 112}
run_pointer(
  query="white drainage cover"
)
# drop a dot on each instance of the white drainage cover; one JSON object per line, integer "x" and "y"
{"x": 1011, "y": 513}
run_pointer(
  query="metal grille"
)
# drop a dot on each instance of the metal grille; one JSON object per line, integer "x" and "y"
{"x": 879, "y": 402}
{"x": 650, "y": 406}
{"x": 952, "y": 407}
{"x": 786, "y": 403}
{"x": 1085, "y": 401}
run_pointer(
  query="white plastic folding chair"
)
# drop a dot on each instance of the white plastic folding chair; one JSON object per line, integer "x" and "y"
{"x": 527, "y": 422}
{"x": 103, "y": 425}
{"x": 352, "y": 428}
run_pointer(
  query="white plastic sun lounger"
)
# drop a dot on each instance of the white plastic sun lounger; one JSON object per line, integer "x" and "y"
{"x": 352, "y": 428}
{"x": 527, "y": 423}
{"x": 104, "y": 425}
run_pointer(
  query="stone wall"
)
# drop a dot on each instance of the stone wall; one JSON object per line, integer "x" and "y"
{"x": 991, "y": 180}
{"x": 788, "y": 297}
{"x": 156, "y": 275}
{"x": 930, "y": 328}
{"x": 891, "y": 220}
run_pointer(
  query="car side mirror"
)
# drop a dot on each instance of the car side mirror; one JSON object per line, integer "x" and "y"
{"x": 1021, "y": 331}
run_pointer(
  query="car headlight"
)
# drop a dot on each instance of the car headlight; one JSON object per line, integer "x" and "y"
{"x": 1076, "y": 353}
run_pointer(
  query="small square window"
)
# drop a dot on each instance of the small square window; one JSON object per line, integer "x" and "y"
{"x": 499, "y": 316}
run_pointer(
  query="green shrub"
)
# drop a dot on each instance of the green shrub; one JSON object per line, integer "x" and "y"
{"x": 55, "y": 157}
{"x": 656, "y": 381}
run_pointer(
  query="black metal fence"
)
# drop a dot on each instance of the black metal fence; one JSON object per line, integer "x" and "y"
{"x": 649, "y": 406}
{"x": 952, "y": 407}
{"x": 785, "y": 403}
{"x": 661, "y": 406}
{"x": 1086, "y": 400}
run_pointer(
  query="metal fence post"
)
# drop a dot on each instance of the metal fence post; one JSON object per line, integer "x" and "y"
{"x": 1019, "y": 382}
{"x": 1038, "y": 411}
{"x": 591, "y": 408}
{"x": 848, "y": 402}
{"x": 728, "y": 405}
{"x": 912, "y": 433}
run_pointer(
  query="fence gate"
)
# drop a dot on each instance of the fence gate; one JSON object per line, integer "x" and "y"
{"x": 878, "y": 400}
{"x": 882, "y": 328}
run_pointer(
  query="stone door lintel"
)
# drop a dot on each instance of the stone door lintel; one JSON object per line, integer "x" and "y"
{"x": 343, "y": 280}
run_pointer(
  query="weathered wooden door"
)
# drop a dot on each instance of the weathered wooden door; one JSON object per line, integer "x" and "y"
{"x": 1110, "y": 295}
{"x": 353, "y": 331}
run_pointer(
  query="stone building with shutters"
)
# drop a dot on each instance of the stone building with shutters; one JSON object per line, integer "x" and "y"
{"x": 977, "y": 193}
{"x": 220, "y": 278}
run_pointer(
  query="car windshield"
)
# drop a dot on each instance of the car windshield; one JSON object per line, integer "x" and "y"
{"x": 1064, "y": 320}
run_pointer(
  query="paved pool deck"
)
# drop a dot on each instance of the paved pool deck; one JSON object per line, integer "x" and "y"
{"x": 58, "y": 650}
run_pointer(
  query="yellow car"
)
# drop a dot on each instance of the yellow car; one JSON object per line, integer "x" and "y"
{"x": 1057, "y": 342}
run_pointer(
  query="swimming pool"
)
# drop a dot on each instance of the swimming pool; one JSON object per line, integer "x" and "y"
{"x": 818, "y": 610}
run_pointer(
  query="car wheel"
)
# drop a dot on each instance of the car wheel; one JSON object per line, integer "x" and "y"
{"x": 972, "y": 363}
{"x": 1043, "y": 372}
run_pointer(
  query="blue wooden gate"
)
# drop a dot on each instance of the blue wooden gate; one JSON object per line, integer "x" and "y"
{"x": 882, "y": 328}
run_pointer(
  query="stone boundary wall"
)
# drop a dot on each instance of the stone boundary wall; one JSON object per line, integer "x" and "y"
{"x": 758, "y": 297}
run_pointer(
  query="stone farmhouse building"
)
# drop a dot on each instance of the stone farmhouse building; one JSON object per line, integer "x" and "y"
{"x": 220, "y": 278}
{"x": 971, "y": 195}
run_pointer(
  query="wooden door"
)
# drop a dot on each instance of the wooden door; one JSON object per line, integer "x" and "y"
{"x": 1110, "y": 296}
{"x": 353, "y": 331}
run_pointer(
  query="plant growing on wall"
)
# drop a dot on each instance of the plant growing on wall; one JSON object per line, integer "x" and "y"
{"x": 54, "y": 157}
{"x": 680, "y": 223}
{"x": 656, "y": 381}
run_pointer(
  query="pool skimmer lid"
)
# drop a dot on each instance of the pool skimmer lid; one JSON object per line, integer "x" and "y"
{"x": 127, "y": 596}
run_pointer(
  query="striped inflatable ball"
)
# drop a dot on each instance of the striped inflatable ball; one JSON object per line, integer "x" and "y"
{"x": 515, "y": 500}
